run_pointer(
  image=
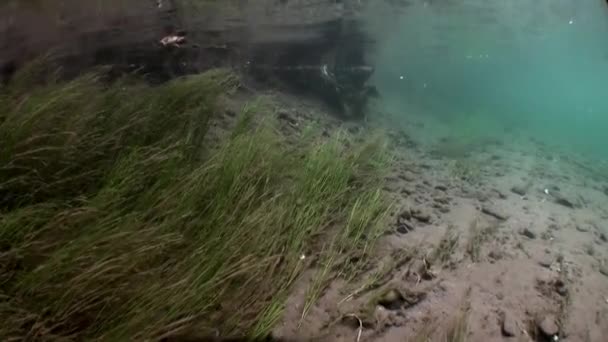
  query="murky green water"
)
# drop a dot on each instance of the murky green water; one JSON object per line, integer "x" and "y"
{"x": 539, "y": 68}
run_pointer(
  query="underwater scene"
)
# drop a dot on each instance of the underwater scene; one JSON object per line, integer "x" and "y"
{"x": 304, "y": 170}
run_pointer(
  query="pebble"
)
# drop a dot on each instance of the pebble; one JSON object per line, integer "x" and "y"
{"x": 564, "y": 201}
{"x": 548, "y": 326}
{"x": 560, "y": 287}
{"x": 509, "y": 325}
{"x": 546, "y": 262}
{"x": 441, "y": 187}
{"x": 519, "y": 190}
{"x": 528, "y": 233}
{"x": 495, "y": 255}
{"x": 284, "y": 115}
{"x": 402, "y": 229}
{"x": 407, "y": 176}
{"x": 494, "y": 213}
{"x": 421, "y": 215}
{"x": 391, "y": 300}
{"x": 604, "y": 269}
{"x": 405, "y": 214}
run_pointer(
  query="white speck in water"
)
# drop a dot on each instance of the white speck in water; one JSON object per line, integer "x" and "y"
{"x": 401, "y": 77}
{"x": 547, "y": 191}
{"x": 424, "y": 85}
{"x": 571, "y": 21}
{"x": 302, "y": 257}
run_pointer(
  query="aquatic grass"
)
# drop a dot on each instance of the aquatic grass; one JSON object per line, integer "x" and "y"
{"x": 364, "y": 219}
{"x": 59, "y": 140}
{"x": 446, "y": 248}
{"x": 465, "y": 169}
{"x": 479, "y": 235}
{"x": 116, "y": 226}
{"x": 458, "y": 327}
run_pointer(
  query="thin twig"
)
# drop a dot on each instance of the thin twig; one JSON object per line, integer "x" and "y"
{"x": 350, "y": 296}
{"x": 418, "y": 278}
{"x": 360, "y": 330}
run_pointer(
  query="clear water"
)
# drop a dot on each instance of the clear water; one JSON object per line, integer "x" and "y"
{"x": 537, "y": 67}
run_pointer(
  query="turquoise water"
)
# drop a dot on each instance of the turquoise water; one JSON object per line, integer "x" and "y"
{"x": 538, "y": 67}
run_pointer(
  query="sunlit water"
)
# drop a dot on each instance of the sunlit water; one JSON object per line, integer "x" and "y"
{"x": 539, "y": 68}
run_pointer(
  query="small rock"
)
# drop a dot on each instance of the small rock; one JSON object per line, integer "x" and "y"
{"x": 421, "y": 215}
{"x": 441, "y": 187}
{"x": 481, "y": 196}
{"x": 500, "y": 194}
{"x": 546, "y": 235}
{"x": 509, "y": 325}
{"x": 519, "y": 189}
{"x": 417, "y": 266}
{"x": 383, "y": 317}
{"x": 442, "y": 200}
{"x": 604, "y": 269}
{"x": 560, "y": 287}
{"x": 582, "y": 229}
{"x": 391, "y": 300}
{"x": 546, "y": 262}
{"x": 407, "y": 191}
{"x": 494, "y": 213}
{"x": 405, "y": 214}
{"x": 603, "y": 237}
{"x": 284, "y": 115}
{"x": 407, "y": 176}
{"x": 548, "y": 326}
{"x": 404, "y": 227}
{"x": 528, "y": 233}
{"x": 444, "y": 210}
{"x": 494, "y": 254}
{"x": 562, "y": 291}
{"x": 564, "y": 201}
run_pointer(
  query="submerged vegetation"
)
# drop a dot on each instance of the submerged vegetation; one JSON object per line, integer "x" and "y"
{"x": 119, "y": 220}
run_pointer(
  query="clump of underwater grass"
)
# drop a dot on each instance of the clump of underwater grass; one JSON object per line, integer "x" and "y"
{"x": 447, "y": 246}
{"x": 116, "y": 226}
